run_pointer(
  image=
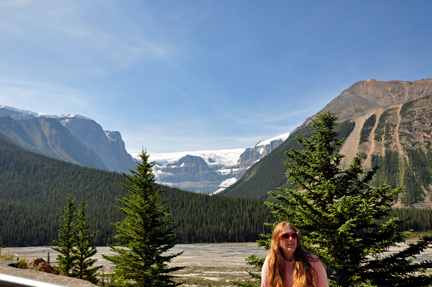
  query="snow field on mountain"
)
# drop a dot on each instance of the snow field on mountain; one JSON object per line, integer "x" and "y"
{"x": 227, "y": 157}
{"x": 23, "y": 114}
{"x": 279, "y": 137}
{"x": 224, "y": 184}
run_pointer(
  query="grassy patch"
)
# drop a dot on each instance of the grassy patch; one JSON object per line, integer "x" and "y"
{"x": 6, "y": 255}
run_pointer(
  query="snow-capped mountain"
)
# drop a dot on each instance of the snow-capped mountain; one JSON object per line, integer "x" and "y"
{"x": 81, "y": 140}
{"x": 18, "y": 114}
{"x": 76, "y": 139}
{"x": 210, "y": 171}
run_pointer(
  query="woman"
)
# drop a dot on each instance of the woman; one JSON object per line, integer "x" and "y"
{"x": 288, "y": 264}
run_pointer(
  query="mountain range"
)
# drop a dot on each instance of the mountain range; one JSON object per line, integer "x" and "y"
{"x": 210, "y": 171}
{"x": 388, "y": 123}
{"x": 81, "y": 140}
{"x": 72, "y": 138}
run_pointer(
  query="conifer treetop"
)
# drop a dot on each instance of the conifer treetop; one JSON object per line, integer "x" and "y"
{"x": 146, "y": 234}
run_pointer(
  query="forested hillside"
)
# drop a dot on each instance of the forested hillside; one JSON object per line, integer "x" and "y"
{"x": 33, "y": 189}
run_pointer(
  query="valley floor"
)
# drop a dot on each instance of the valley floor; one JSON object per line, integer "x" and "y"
{"x": 205, "y": 264}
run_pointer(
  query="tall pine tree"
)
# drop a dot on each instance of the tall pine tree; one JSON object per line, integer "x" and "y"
{"x": 83, "y": 250}
{"x": 65, "y": 243}
{"x": 337, "y": 211}
{"x": 145, "y": 235}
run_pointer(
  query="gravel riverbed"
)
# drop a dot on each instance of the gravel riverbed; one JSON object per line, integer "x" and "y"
{"x": 205, "y": 264}
{"x": 214, "y": 264}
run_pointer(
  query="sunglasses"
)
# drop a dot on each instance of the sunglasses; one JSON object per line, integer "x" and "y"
{"x": 286, "y": 236}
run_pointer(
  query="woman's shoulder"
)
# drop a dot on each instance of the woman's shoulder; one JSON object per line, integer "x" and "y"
{"x": 312, "y": 257}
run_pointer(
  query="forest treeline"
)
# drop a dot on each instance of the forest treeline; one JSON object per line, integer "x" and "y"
{"x": 33, "y": 188}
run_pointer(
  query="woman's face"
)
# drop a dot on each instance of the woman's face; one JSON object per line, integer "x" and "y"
{"x": 289, "y": 244}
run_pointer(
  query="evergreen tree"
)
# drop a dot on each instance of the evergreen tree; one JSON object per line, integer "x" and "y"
{"x": 66, "y": 234}
{"x": 145, "y": 234}
{"x": 83, "y": 249}
{"x": 337, "y": 211}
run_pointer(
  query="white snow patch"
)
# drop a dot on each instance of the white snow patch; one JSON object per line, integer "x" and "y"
{"x": 23, "y": 114}
{"x": 225, "y": 171}
{"x": 224, "y": 184}
{"x": 160, "y": 174}
{"x": 225, "y": 157}
{"x": 279, "y": 137}
{"x": 228, "y": 182}
{"x": 107, "y": 133}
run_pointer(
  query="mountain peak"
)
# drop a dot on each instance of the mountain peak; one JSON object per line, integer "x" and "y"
{"x": 366, "y": 95}
{"x": 108, "y": 146}
{"x": 19, "y": 114}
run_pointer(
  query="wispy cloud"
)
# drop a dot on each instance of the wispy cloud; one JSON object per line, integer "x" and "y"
{"x": 70, "y": 28}
{"x": 45, "y": 98}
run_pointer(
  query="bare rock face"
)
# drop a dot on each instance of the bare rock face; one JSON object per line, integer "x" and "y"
{"x": 398, "y": 139}
{"x": 109, "y": 146}
{"x": 72, "y": 138}
{"x": 122, "y": 160}
{"x": 48, "y": 137}
{"x": 366, "y": 95}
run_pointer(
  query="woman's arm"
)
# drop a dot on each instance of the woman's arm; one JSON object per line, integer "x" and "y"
{"x": 264, "y": 274}
{"x": 321, "y": 274}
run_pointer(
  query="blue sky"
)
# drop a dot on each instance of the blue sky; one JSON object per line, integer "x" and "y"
{"x": 203, "y": 75}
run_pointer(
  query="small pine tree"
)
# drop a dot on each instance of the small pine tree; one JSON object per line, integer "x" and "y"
{"x": 145, "y": 234}
{"x": 337, "y": 211}
{"x": 83, "y": 249}
{"x": 66, "y": 234}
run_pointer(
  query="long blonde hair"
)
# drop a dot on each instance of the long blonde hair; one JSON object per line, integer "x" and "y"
{"x": 303, "y": 275}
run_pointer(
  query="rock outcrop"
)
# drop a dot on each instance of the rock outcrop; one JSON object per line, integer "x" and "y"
{"x": 42, "y": 264}
{"x": 366, "y": 95}
{"x": 108, "y": 145}
{"x": 71, "y": 138}
{"x": 48, "y": 137}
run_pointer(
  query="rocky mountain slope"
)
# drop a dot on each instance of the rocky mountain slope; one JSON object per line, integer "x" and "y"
{"x": 71, "y": 138}
{"x": 48, "y": 137}
{"x": 399, "y": 139}
{"x": 388, "y": 123}
{"x": 367, "y": 95}
{"x": 210, "y": 171}
{"x": 108, "y": 145}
